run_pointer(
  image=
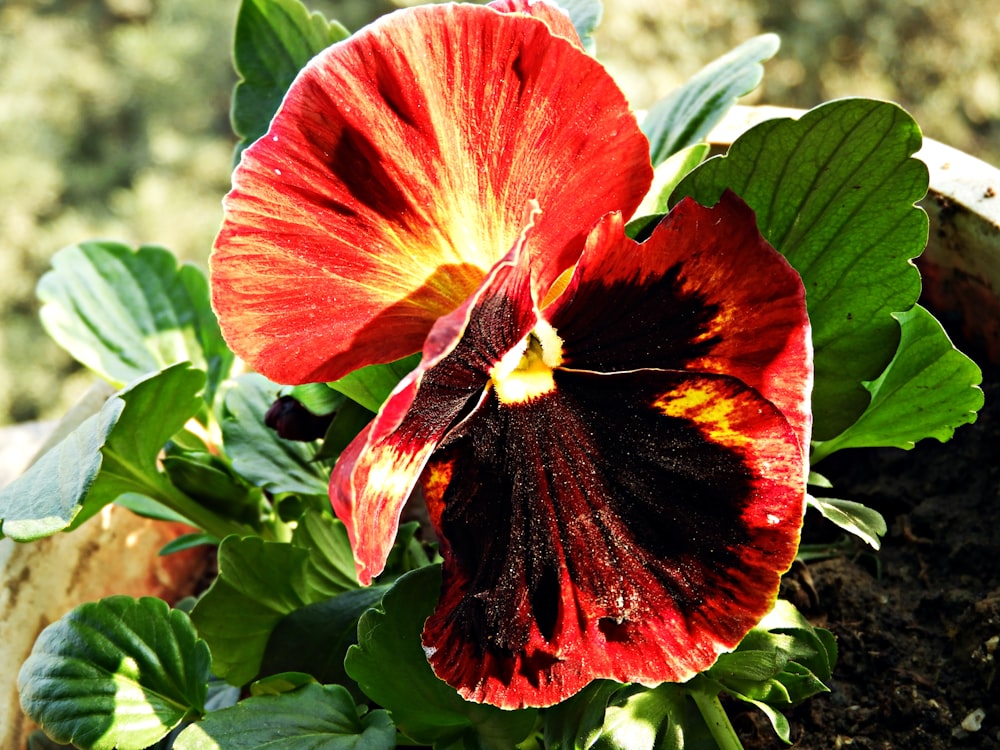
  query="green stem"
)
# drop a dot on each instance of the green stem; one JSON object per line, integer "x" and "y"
{"x": 201, "y": 516}
{"x": 717, "y": 720}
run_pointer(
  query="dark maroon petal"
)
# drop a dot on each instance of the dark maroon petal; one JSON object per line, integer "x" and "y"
{"x": 627, "y": 526}
{"x": 704, "y": 293}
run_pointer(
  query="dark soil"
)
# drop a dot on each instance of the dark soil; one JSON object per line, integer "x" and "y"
{"x": 917, "y": 623}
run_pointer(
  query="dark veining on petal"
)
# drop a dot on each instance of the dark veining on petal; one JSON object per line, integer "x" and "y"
{"x": 606, "y": 327}
{"x": 540, "y": 488}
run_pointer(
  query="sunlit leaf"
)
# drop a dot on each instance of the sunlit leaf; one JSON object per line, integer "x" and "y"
{"x": 858, "y": 519}
{"x": 112, "y": 454}
{"x": 274, "y": 40}
{"x": 927, "y": 391}
{"x": 318, "y": 717}
{"x": 47, "y": 497}
{"x": 125, "y": 313}
{"x": 687, "y": 114}
{"x": 667, "y": 176}
{"x": 835, "y": 193}
{"x": 120, "y": 672}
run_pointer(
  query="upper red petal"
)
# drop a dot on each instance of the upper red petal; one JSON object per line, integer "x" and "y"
{"x": 555, "y": 18}
{"x": 395, "y": 175}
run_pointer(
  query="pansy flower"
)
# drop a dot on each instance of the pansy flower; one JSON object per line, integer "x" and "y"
{"x": 609, "y": 435}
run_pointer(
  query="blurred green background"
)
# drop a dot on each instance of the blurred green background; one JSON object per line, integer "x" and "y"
{"x": 114, "y": 115}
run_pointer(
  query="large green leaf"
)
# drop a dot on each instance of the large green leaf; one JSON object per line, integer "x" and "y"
{"x": 686, "y": 115}
{"x": 274, "y": 40}
{"x": 390, "y": 666}
{"x": 835, "y": 193}
{"x": 315, "y": 639}
{"x": 928, "y": 390}
{"x": 120, "y": 672}
{"x": 111, "y": 454}
{"x": 257, "y": 452}
{"x": 258, "y": 584}
{"x": 261, "y": 582}
{"x": 125, "y": 313}
{"x": 47, "y": 497}
{"x": 315, "y": 717}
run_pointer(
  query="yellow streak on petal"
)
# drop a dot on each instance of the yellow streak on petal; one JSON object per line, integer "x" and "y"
{"x": 716, "y": 415}
{"x": 390, "y": 474}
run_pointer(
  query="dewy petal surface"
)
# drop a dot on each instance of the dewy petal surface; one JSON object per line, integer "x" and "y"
{"x": 395, "y": 175}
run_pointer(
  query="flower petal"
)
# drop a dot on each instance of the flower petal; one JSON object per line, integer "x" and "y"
{"x": 628, "y": 526}
{"x": 375, "y": 474}
{"x": 555, "y": 18}
{"x": 395, "y": 174}
{"x": 704, "y": 293}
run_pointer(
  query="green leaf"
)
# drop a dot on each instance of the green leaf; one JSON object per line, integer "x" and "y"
{"x": 111, "y": 454}
{"x": 317, "y": 398}
{"x": 125, "y": 313}
{"x": 855, "y": 518}
{"x": 330, "y": 569}
{"x": 47, "y": 497}
{"x": 927, "y": 391}
{"x": 262, "y": 582}
{"x": 258, "y": 584}
{"x": 586, "y": 17}
{"x": 120, "y": 672}
{"x": 370, "y": 386}
{"x": 257, "y": 453}
{"x": 835, "y": 193}
{"x": 667, "y": 176}
{"x": 814, "y": 647}
{"x": 349, "y": 420}
{"x": 648, "y": 719}
{"x": 317, "y": 717}
{"x": 274, "y": 40}
{"x": 188, "y": 541}
{"x": 206, "y": 478}
{"x": 279, "y": 683}
{"x": 315, "y": 638}
{"x": 390, "y": 666}
{"x": 575, "y": 724}
{"x": 687, "y": 114}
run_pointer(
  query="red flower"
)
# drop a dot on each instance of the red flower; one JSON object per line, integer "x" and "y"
{"x": 613, "y": 457}
{"x": 397, "y": 172}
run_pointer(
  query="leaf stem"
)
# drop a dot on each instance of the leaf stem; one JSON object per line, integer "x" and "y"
{"x": 717, "y": 720}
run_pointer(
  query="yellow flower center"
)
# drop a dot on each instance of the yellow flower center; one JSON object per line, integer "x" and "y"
{"x": 525, "y": 372}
